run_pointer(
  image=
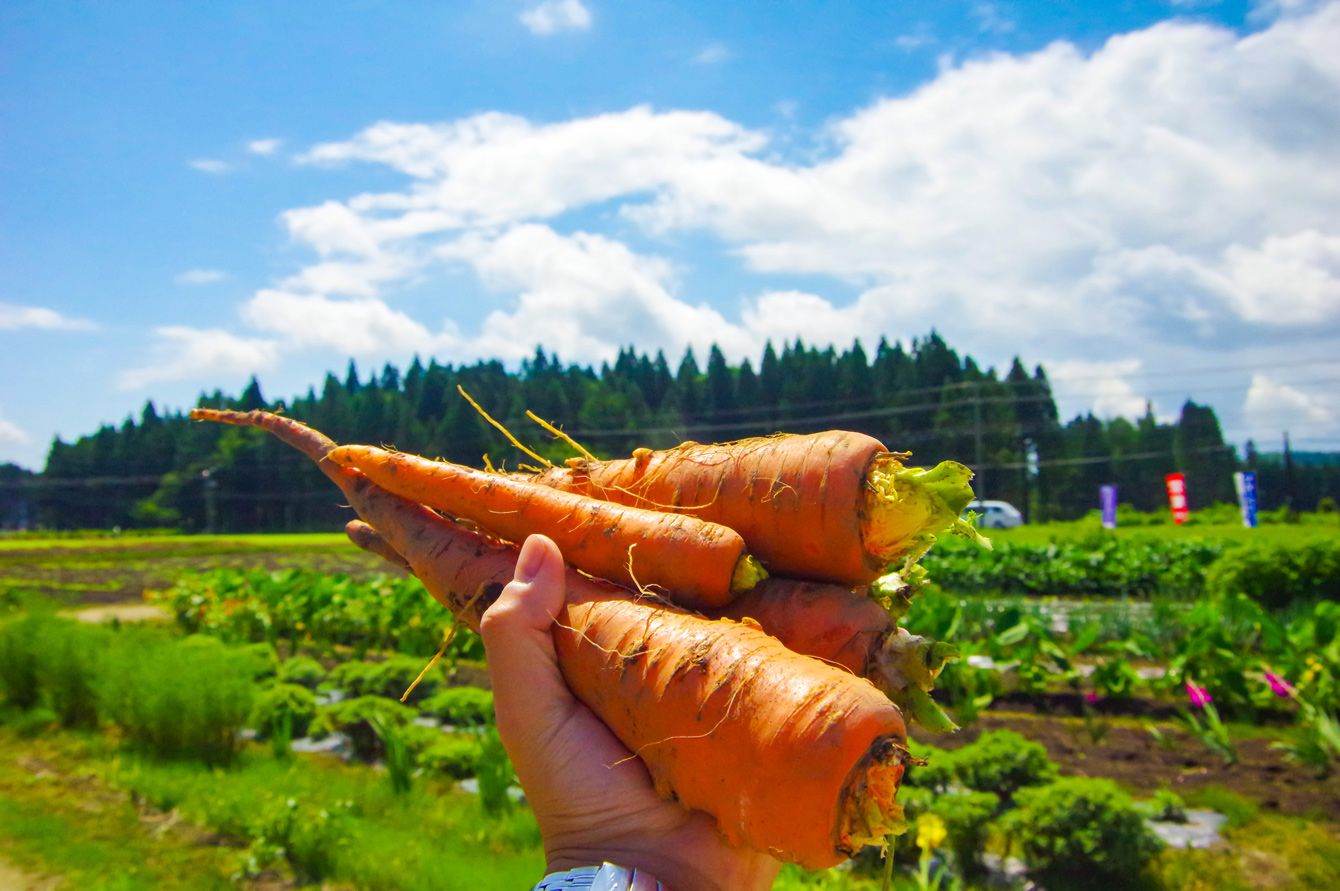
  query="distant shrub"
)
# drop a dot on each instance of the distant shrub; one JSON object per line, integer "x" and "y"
{"x": 19, "y": 668}
{"x": 177, "y": 698}
{"x": 45, "y": 659}
{"x": 70, "y": 661}
{"x": 1080, "y": 833}
{"x": 460, "y": 706}
{"x": 1002, "y": 762}
{"x": 301, "y": 670}
{"x": 936, "y": 774}
{"x": 967, "y": 817}
{"x": 285, "y": 706}
{"x": 1277, "y": 575}
{"x": 452, "y": 756}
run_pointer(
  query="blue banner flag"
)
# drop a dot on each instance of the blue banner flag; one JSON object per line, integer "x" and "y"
{"x": 1245, "y": 482}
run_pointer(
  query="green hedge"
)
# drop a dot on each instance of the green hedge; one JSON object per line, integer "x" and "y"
{"x": 1079, "y": 833}
{"x": 1276, "y": 576}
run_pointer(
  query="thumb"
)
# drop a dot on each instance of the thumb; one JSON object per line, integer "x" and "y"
{"x": 529, "y": 693}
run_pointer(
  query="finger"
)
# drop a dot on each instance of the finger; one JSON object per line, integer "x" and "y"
{"x": 530, "y": 698}
{"x": 370, "y": 540}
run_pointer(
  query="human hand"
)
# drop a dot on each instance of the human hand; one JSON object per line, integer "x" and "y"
{"x": 592, "y": 799}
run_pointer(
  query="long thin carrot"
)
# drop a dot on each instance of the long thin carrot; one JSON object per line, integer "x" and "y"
{"x": 788, "y": 754}
{"x": 367, "y": 538}
{"x": 835, "y": 506}
{"x": 703, "y": 563}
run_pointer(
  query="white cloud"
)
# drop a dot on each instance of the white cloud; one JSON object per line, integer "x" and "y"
{"x": 993, "y": 18}
{"x": 212, "y": 166}
{"x": 11, "y": 433}
{"x": 1101, "y": 387}
{"x": 584, "y": 296}
{"x": 713, "y": 54}
{"x": 183, "y": 353}
{"x": 13, "y": 317}
{"x": 264, "y": 147}
{"x": 1271, "y": 406}
{"x": 360, "y": 327}
{"x": 1267, "y": 10}
{"x": 200, "y": 276}
{"x": 555, "y": 16}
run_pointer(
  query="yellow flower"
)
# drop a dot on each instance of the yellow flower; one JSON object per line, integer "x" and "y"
{"x": 930, "y": 832}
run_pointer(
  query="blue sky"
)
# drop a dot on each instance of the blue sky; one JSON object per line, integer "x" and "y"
{"x": 1140, "y": 195}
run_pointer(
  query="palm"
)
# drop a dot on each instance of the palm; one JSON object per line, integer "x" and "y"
{"x": 592, "y": 799}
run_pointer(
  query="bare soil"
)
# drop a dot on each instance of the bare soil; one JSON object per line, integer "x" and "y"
{"x": 1132, "y": 756}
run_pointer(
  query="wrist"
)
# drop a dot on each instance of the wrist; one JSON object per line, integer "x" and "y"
{"x": 672, "y": 872}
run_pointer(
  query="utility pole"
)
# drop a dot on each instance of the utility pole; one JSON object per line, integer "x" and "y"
{"x": 977, "y": 436}
{"x": 211, "y": 501}
{"x": 1288, "y": 472}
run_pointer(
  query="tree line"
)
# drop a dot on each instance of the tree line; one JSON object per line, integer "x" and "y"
{"x": 163, "y": 470}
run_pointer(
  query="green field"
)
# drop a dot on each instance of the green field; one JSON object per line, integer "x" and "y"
{"x": 92, "y": 806}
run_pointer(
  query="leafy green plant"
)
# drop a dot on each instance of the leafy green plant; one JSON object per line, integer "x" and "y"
{"x": 1166, "y": 806}
{"x": 460, "y": 706}
{"x": 310, "y": 840}
{"x": 452, "y": 756}
{"x": 494, "y": 772}
{"x": 302, "y": 670}
{"x": 1204, "y": 723}
{"x": 288, "y": 705}
{"x": 354, "y": 717}
{"x": 398, "y": 761}
{"x": 1080, "y": 833}
{"x": 389, "y": 678}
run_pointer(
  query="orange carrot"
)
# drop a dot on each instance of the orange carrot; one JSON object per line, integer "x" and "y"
{"x": 854, "y": 631}
{"x": 789, "y": 755}
{"x": 835, "y": 506}
{"x": 703, "y": 563}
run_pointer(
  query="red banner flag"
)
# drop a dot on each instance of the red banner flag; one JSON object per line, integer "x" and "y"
{"x": 1177, "y": 497}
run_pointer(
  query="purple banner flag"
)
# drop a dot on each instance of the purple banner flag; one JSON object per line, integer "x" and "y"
{"x": 1107, "y": 497}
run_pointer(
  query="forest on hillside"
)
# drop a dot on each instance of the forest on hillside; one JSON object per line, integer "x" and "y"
{"x": 163, "y": 470}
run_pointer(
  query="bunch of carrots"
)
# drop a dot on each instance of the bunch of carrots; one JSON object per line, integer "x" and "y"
{"x": 731, "y": 612}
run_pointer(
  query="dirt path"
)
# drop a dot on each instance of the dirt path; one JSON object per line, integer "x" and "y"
{"x": 14, "y": 879}
{"x": 121, "y": 612}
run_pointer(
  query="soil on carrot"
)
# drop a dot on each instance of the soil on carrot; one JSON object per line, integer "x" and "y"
{"x": 1132, "y": 756}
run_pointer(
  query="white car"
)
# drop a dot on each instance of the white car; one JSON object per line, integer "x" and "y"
{"x": 996, "y": 514}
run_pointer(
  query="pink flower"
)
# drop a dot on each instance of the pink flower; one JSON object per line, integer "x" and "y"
{"x": 1199, "y": 696}
{"x": 1279, "y": 686}
{"x": 1091, "y": 697}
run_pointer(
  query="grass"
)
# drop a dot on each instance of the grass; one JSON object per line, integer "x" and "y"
{"x": 1045, "y": 533}
{"x": 65, "y": 808}
{"x": 53, "y": 820}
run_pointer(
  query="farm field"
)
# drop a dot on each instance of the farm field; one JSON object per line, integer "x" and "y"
{"x": 1095, "y": 679}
